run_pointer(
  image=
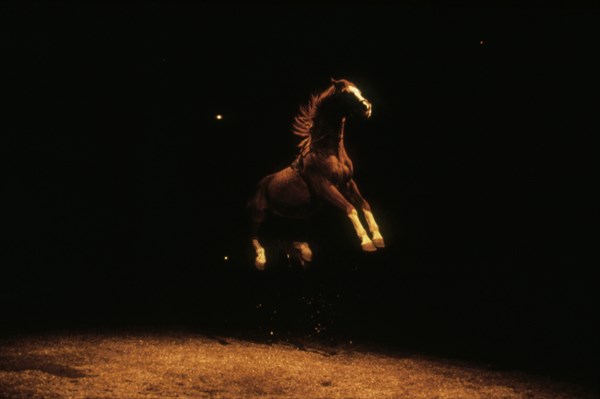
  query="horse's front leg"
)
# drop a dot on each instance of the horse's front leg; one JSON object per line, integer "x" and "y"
{"x": 331, "y": 194}
{"x": 358, "y": 200}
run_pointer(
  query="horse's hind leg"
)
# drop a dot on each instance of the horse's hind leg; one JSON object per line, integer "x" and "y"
{"x": 304, "y": 250}
{"x": 258, "y": 211}
{"x": 298, "y": 253}
{"x": 257, "y": 217}
{"x": 261, "y": 259}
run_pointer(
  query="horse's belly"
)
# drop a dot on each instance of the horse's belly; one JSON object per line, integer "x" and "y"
{"x": 289, "y": 194}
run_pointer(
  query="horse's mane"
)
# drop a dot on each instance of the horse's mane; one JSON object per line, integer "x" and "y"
{"x": 303, "y": 122}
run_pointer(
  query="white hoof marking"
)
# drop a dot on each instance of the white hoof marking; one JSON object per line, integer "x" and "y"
{"x": 261, "y": 259}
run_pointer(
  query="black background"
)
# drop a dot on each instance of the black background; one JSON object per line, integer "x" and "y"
{"x": 122, "y": 193}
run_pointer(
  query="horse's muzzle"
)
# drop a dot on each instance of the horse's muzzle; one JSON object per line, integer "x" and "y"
{"x": 368, "y": 108}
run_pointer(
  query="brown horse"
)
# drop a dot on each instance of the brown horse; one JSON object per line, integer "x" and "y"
{"x": 322, "y": 172}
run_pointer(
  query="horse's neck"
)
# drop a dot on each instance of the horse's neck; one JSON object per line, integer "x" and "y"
{"x": 329, "y": 136}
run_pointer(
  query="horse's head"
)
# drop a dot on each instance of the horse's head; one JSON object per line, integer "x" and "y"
{"x": 351, "y": 99}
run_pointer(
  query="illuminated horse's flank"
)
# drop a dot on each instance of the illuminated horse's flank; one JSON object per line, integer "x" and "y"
{"x": 322, "y": 172}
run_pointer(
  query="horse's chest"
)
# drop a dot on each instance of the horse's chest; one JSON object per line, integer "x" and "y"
{"x": 338, "y": 171}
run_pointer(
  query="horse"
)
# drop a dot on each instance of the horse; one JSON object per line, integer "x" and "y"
{"x": 322, "y": 172}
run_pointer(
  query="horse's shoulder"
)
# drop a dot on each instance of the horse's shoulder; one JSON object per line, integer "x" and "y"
{"x": 328, "y": 167}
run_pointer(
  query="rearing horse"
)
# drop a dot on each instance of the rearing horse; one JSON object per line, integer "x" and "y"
{"x": 322, "y": 171}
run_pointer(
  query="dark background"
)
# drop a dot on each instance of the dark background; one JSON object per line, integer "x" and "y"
{"x": 122, "y": 193}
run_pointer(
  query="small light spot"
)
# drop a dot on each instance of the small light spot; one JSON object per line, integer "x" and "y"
{"x": 225, "y": 257}
{"x": 219, "y": 117}
{"x": 481, "y": 42}
{"x": 271, "y": 332}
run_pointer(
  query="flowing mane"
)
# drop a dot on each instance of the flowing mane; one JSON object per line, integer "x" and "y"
{"x": 303, "y": 122}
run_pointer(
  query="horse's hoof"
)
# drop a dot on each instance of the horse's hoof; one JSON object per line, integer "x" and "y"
{"x": 260, "y": 265}
{"x": 306, "y": 256}
{"x": 305, "y": 265}
{"x": 368, "y": 246}
{"x": 379, "y": 243}
{"x": 305, "y": 251}
{"x": 261, "y": 260}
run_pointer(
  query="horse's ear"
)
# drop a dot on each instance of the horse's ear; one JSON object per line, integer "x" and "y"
{"x": 337, "y": 83}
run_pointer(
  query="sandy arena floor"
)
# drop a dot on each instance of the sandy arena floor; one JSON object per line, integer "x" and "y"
{"x": 185, "y": 365}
